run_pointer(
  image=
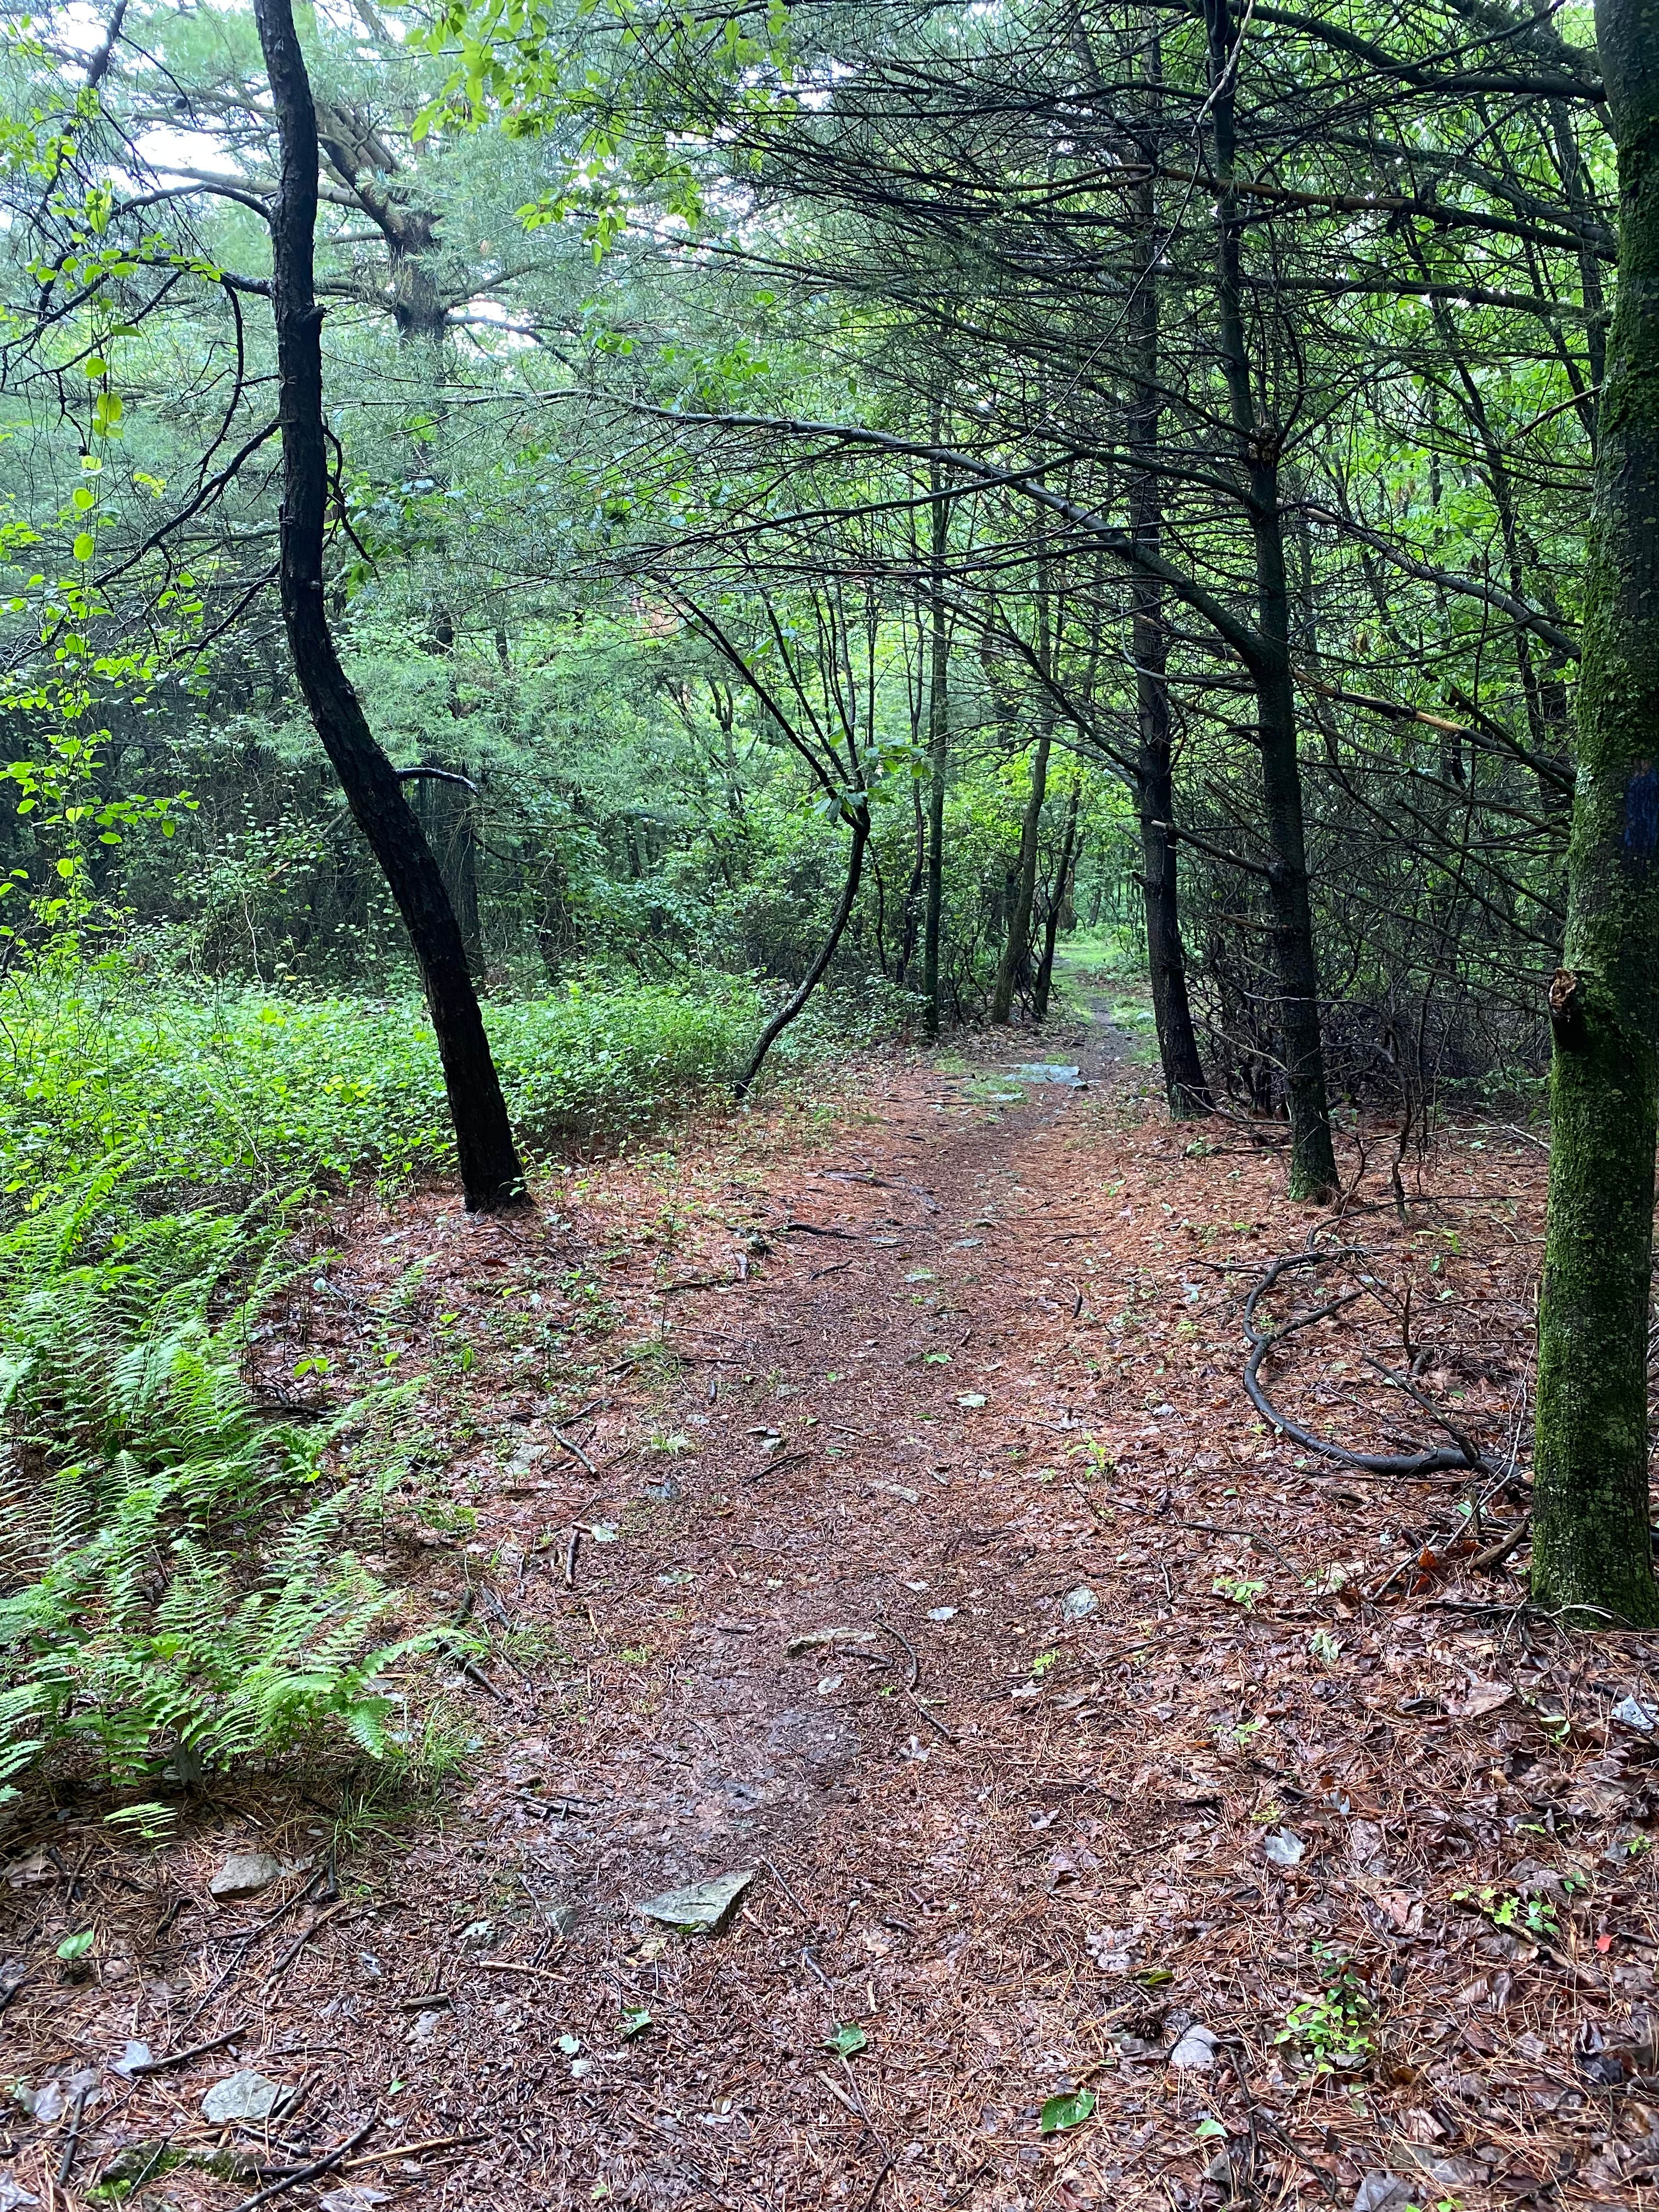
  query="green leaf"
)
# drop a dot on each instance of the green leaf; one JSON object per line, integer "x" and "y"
{"x": 1071, "y": 2112}
{"x": 634, "y": 2021}
{"x": 1208, "y": 2130}
{"x": 846, "y": 2040}
{"x": 76, "y": 1946}
{"x": 83, "y": 496}
{"x": 83, "y": 547}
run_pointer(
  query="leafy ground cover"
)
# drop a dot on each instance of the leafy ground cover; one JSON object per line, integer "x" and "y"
{"x": 247, "y": 1091}
{"x": 861, "y": 1495}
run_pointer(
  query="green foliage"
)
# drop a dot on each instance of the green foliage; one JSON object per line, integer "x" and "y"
{"x": 1336, "y": 2027}
{"x": 242, "y": 1092}
{"x": 181, "y": 1587}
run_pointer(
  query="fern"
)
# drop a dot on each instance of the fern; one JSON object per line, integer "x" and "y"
{"x": 176, "y": 1584}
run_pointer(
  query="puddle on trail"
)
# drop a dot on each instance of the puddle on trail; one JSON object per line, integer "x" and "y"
{"x": 1050, "y": 1071}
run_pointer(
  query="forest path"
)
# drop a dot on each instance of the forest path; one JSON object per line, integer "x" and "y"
{"x": 932, "y": 1571}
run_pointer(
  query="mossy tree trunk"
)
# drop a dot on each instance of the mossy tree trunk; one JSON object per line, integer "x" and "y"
{"x": 1592, "y": 1548}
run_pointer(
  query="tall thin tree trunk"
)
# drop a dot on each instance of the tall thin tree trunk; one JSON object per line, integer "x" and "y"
{"x": 1045, "y": 974}
{"x": 1592, "y": 1546}
{"x": 1016, "y": 949}
{"x": 1313, "y": 1159}
{"x": 491, "y": 1176}
{"x": 1166, "y": 961}
{"x": 938, "y": 742}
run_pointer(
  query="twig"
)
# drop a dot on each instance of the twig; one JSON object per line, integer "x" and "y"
{"x": 1495, "y": 1554}
{"x": 408, "y": 2150}
{"x": 71, "y": 2148}
{"x": 570, "y": 1556}
{"x": 327, "y": 2164}
{"x": 932, "y": 1719}
{"x": 772, "y": 1466}
{"x": 196, "y": 2051}
{"x": 559, "y": 1438}
{"x": 302, "y": 1940}
{"x": 474, "y": 1673}
{"x": 915, "y": 1664}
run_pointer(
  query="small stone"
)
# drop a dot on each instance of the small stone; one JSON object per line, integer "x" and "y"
{"x": 244, "y": 1874}
{"x": 355, "y": 2199}
{"x": 1630, "y": 1712}
{"x": 1285, "y": 1848}
{"x": 581, "y": 2068}
{"x": 425, "y": 2027}
{"x": 1078, "y": 1604}
{"x": 829, "y": 1684}
{"x": 943, "y": 1613}
{"x": 477, "y": 1936}
{"x": 1383, "y": 2192}
{"x": 245, "y": 2096}
{"x": 702, "y": 1908}
{"x": 1195, "y": 2052}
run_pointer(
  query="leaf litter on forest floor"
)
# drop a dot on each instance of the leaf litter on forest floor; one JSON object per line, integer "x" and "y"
{"x": 1386, "y": 1858}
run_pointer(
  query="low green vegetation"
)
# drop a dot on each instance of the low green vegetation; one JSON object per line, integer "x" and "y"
{"x": 181, "y": 1585}
{"x": 239, "y": 1090}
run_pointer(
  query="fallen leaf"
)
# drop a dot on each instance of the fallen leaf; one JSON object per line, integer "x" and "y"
{"x": 1067, "y": 2112}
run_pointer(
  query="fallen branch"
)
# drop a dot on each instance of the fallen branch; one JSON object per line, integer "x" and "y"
{"x": 327, "y": 2164}
{"x": 196, "y": 2051}
{"x": 559, "y": 1438}
{"x": 1438, "y": 1460}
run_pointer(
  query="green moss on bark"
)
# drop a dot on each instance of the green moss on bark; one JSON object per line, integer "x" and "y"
{"x": 1592, "y": 1544}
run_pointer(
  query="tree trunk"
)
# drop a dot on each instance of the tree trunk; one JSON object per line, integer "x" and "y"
{"x": 1592, "y": 1546}
{"x": 1184, "y": 1086}
{"x": 1016, "y": 949}
{"x": 1313, "y": 1160}
{"x": 491, "y": 1176}
{"x": 1045, "y": 974}
{"x": 938, "y": 749}
{"x": 787, "y": 1013}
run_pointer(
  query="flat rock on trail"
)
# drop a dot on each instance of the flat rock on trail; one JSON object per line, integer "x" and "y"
{"x": 908, "y": 1546}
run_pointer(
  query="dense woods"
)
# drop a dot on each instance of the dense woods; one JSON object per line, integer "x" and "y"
{"x": 568, "y": 560}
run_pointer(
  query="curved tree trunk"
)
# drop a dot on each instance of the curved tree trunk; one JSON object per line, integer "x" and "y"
{"x": 490, "y": 1173}
{"x": 1592, "y": 1546}
{"x": 787, "y": 1013}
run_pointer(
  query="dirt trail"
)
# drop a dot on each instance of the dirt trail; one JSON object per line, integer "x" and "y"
{"x": 948, "y": 1365}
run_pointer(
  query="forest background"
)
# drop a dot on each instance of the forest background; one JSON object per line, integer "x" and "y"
{"x": 823, "y": 491}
